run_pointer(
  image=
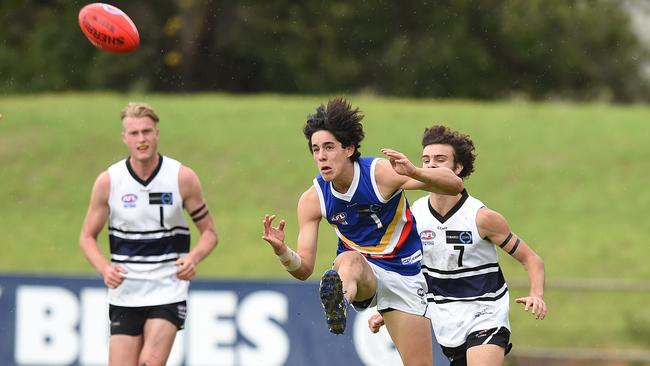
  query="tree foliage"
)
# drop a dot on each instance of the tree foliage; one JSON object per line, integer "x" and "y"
{"x": 487, "y": 49}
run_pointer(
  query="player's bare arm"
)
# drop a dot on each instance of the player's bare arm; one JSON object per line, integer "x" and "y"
{"x": 494, "y": 226}
{"x": 309, "y": 217}
{"x": 196, "y": 206}
{"x": 93, "y": 224}
{"x": 398, "y": 172}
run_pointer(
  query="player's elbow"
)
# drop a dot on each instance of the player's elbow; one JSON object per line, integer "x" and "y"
{"x": 534, "y": 262}
{"x": 453, "y": 186}
{"x": 84, "y": 240}
{"x": 214, "y": 239}
{"x": 540, "y": 262}
{"x": 303, "y": 273}
{"x": 457, "y": 186}
{"x": 209, "y": 239}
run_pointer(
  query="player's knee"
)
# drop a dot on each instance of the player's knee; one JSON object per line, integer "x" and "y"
{"x": 349, "y": 258}
{"x": 148, "y": 361}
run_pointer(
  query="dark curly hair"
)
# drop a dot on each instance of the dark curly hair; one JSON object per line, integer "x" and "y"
{"x": 464, "y": 151}
{"x": 341, "y": 120}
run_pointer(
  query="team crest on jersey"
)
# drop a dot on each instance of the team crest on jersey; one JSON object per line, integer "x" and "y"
{"x": 427, "y": 237}
{"x": 367, "y": 210}
{"x": 129, "y": 200}
{"x": 339, "y": 218}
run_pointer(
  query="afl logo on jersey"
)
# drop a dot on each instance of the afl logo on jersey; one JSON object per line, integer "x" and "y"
{"x": 339, "y": 218}
{"x": 427, "y": 237}
{"x": 129, "y": 200}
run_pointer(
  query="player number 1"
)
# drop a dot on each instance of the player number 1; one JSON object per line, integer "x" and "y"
{"x": 377, "y": 221}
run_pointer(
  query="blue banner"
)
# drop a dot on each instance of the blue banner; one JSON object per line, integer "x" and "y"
{"x": 46, "y": 320}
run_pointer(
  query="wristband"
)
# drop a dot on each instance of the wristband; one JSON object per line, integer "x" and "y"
{"x": 290, "y": 260}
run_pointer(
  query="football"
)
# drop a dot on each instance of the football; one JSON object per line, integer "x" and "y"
{"x": 109, "y": 28}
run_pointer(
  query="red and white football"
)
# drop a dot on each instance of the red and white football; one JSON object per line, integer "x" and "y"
{"x": 108, "y": 28}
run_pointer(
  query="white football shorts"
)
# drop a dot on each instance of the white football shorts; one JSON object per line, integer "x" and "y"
{"x": 397, "y": 292}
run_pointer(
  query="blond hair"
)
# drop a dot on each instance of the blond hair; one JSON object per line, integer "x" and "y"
{"x": 139, "y": 110}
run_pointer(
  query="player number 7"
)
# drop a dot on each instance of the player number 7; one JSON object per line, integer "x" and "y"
{"x": 461, "y": 250}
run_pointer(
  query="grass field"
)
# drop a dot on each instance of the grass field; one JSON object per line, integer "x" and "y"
{"x": 571, "y": 179}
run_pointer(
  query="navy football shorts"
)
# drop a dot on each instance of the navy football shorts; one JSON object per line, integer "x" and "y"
{"x": 130, "y": 320}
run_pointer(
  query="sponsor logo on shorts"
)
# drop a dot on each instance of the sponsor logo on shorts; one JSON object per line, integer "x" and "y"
{"x": 339, "y": 218}
{"x": 427, "y": 237}
{"x": 129, "y": 200}
{"x": 481, "y": 333}
{"x": 482, "y": 312}
{"x": 182, "y": 311}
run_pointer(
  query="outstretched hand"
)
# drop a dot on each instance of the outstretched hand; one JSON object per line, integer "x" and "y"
{"x": 274, "y": 235}
{"x": 535, "y": 303}
{"x": 400, "y": 163}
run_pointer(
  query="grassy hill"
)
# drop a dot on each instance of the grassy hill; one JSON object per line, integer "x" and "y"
{"x": 571, "y": 179}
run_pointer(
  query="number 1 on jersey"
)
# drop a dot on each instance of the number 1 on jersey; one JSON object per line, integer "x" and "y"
{"x": 162, "y": 218}
{"x": 377, "y": 221}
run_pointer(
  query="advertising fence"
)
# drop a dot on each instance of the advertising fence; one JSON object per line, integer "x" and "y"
{"x": 46, "y": 320}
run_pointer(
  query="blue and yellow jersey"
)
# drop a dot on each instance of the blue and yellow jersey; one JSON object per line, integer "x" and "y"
{"x": 384, "y": 231}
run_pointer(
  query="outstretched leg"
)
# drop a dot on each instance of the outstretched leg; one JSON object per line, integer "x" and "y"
{"x": 333, "y": 300}
{"x": 351, "y": 279}
{"x": 359, "y": 280}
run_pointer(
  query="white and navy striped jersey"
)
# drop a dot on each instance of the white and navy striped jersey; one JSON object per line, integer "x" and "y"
{"x": 467, "y": 290}
{"x": 382, "y": 230}
{"x": 147, "y": 234}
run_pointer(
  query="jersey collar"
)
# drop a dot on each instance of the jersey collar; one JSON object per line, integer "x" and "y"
{"x": 451, "y": 212}
{"x": 151, "y": 177}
